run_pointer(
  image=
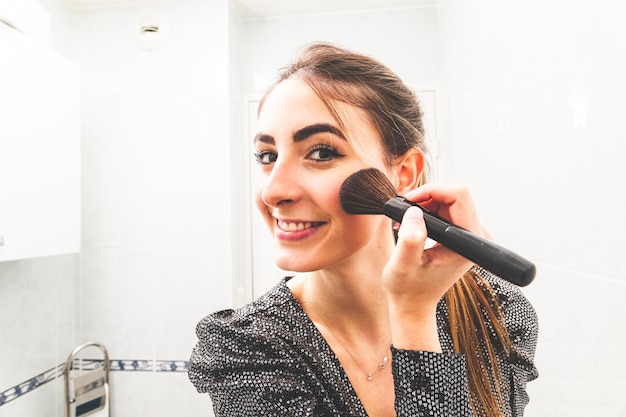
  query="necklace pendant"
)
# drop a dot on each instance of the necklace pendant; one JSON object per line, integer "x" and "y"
{"x": 384, "y": 363}
{"x": 369, "y": 377}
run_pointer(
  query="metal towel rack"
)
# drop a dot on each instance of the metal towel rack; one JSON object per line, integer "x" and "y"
{"x": 87, "y": 387}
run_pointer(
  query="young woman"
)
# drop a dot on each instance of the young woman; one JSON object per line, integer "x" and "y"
{"x": 372, "y": 323}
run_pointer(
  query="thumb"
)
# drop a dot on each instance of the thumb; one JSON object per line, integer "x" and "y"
{"x": 413, "y": 229}
{"x": 411, "y": 239}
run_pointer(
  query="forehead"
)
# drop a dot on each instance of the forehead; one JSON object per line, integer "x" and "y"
{"x": 292, "y": 101}
{"x": 293, "y": 104}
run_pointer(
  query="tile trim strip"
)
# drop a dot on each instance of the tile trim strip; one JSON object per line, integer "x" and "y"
{"x": 115, "y": 365}
{"x": 30, "y": 385}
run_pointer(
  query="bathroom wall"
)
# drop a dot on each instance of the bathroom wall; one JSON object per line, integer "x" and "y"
{"x": 156, "y": 213}
{"x": 406, "y": 39}
{"x": 533, "y": 109}
{"x": 37, "y": 332}
{"x": 156, "y": 196}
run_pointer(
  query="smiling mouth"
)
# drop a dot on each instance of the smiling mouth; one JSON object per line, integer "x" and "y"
{"x": 296, "y": 226}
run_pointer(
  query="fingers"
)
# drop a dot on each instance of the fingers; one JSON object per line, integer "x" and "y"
{"x": 425, "y": 274}
{"x": 450, "y": 202}
{"x": 442, "y": 193}
{"x": 411, "y": 252}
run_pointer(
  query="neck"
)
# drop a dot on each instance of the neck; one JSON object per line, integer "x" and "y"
{"x": 350, "y": 296}
{"x": 360, "y": 339}
{"x": 353, "y": 310}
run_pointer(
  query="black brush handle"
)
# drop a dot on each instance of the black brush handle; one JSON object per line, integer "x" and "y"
{"x": 485, "y": 253}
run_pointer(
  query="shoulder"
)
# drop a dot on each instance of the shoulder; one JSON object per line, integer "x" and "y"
{"x": 272, "y": 327}
{"x": 235, "y": 341}
{"x": 269, "y": 313}
{"x": 520, "y": 317}
{"x": 519, "y": 314}
{"x": 522, "y": 325}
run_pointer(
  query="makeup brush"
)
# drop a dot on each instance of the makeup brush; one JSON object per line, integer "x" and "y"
{"x": 368, "y": 191}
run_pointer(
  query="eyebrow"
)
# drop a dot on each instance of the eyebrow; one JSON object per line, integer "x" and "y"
{"x": 303, "y": 133}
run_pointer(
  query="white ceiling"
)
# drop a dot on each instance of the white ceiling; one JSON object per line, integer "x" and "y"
{"x": 251, "y": 9}
{"x": 266, "y": 8}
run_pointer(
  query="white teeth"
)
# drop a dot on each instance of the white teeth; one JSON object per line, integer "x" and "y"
{"x": 293, "y": 227}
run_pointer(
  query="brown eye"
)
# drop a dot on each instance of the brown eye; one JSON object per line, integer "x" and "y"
{"x": 323, "y": 153}
{"x": 265, "y": 157}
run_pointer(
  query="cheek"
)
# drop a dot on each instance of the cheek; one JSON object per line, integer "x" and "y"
{"x": 362, "y": 234}
{"x": 328, "y": 197}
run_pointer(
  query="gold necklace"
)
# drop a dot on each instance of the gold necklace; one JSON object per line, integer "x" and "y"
{"x": 370, "y": 375}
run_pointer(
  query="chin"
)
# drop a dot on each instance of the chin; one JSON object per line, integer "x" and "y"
{"x": 299, "y": 264}
{"x": 296, "y": 265}
{"x": 293, "y": 267}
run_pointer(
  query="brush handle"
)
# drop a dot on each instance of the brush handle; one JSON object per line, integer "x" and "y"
{"x": 485, "y": 253}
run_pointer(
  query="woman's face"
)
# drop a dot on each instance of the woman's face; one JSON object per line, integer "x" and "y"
{"x": 304, "y": 157}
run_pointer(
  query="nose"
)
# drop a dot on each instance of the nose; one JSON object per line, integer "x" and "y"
{"x": 281, "y": 187}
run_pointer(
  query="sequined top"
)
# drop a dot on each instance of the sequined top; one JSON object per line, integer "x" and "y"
{"x": 268, "y": 359}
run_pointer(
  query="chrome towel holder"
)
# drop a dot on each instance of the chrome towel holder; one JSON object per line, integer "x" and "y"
{"x": 87, "y": 388}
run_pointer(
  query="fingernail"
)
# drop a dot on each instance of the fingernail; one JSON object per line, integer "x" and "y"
{"x": 413, "y": 213}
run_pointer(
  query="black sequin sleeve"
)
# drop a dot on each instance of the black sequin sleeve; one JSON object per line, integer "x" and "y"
{"x": 517, "y": 368}
{"x": 430, "y": 384}
{"x": 248, "y": 373}
{"x": 523, "y": 326}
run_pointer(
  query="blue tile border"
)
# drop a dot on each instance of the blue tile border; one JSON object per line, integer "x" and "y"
{"x": 30, "y": 385}
{"x": 115, "y": 365}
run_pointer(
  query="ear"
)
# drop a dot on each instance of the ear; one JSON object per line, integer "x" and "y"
{"x": 409, "y": 169}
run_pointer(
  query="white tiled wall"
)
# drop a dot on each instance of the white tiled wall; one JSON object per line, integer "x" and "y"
{"x": 532, "y": 122}
{"x": 580, "y": 355}
{"x": 36, "y": 328}
{"x": 156, "y": 184}
{"x": 405, "y": 39}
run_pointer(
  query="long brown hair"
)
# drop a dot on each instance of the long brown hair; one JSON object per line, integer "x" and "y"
{"x": 337, "y": 74}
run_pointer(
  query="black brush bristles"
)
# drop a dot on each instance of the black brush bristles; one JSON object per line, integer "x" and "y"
{"x": 366, "y": 192}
